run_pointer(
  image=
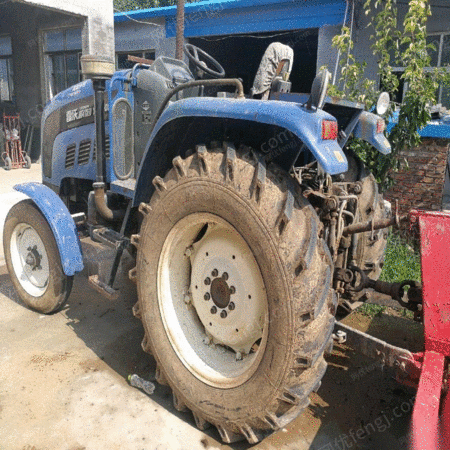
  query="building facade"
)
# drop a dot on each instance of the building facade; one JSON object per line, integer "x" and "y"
{"x": 41, "y": 47}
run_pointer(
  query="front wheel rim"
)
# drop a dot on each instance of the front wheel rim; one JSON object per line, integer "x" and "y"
{"x": 29, "y": 260}
{"x": 212, "y": 300}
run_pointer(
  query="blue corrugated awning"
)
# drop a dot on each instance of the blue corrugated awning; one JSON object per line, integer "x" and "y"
{"x": 221, "y": 17}
{"x": 434, "y": 129}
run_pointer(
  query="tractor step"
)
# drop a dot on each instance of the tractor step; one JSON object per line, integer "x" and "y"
{"x": 108, "y": 237}
{"x": 102, "y": 288}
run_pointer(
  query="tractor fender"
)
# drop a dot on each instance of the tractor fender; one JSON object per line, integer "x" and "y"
{"x": 304, "y": 124}
{"x": 366, "y": 129}
{"x": 61, "y": 224}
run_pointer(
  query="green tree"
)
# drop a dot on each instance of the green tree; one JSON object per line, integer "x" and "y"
{"x": 403, "y": 48}
{"x": 131, "y": 5}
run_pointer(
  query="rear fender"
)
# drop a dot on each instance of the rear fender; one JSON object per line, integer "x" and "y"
{"x": 306, "y": 125}
{"x": 61, "y": 224}
{"x": 366, "y": 129}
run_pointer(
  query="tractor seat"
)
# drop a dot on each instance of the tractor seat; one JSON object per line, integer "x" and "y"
{"x": 274, "y": 70}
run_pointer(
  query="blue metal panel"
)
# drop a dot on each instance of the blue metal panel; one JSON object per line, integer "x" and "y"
{"x": 305, "y": 124}
{"x": 366, "y": 129}
{"x": 218, "y": 17}
{"x": 258, "y": 19}
{"x": 61, "y": 223}
{"x": 435, "y": 129}
{"x": 76, "y": 92}
{"x": 62, "y": 141}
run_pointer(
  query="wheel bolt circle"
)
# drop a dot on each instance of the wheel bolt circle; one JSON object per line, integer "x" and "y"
{"x": 223, "y": 314}
{"x": 208, "y": 281}
{"x": 225, "y": 276}
{"x": 232, "y": 290}
{"x": 231, "y": 306}
{"x": 214, "y": 273}
{"x": 207, "y": 296}
{"x": 213, "y": 310}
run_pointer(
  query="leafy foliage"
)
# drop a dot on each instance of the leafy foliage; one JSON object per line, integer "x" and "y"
{"x": 409, "y": 49}
{"x": 130, "y": 5}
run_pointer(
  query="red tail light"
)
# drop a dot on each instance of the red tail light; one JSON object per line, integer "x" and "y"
{"x": 381, "y": 125}
{"x": 329, "y": 130}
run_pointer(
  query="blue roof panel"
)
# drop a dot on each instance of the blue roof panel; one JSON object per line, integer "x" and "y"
{"x": 219, "y": 17}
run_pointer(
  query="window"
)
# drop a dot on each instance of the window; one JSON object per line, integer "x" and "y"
{"x": 122, "y": 58}
{"x": 440, "y": 57}
{"x": 6, "y": 69}
{"x": 62, "y": 54}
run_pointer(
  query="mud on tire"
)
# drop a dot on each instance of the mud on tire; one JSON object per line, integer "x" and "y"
{"x": 234, "y": 190}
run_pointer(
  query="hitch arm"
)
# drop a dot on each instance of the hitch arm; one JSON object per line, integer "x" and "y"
{"x": 411, "y": 299}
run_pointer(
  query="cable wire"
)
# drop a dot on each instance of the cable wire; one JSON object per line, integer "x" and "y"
{"x": 138, "y": 21}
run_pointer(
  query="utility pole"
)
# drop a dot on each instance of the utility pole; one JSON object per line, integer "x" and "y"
{"x": 180, "y": 30}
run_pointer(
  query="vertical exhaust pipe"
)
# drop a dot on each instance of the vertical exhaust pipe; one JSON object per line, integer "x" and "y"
{"x": 99, "y": 186}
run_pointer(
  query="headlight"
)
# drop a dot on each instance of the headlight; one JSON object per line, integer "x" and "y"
{"x": 383, "y": 103}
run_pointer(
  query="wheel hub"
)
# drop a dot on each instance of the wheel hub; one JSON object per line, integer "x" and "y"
{"x": 227, "y": 289}
{"x": 33, "y": 258}
{"x": 212, "y": 300}
{"x": 30, "y": 260}
{"x": 220, "y": 293}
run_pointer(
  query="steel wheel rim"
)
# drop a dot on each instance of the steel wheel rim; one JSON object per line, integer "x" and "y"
{"x": 212, "y": 345}
{"x": 29, "y": 260}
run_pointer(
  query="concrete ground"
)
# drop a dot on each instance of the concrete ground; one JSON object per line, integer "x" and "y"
{"x": 63, "y": 382}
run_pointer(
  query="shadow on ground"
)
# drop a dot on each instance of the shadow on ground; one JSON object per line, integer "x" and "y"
{"x": 359, "y": 404}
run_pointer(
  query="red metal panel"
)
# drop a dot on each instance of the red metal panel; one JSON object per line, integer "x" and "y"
{"x": 435, "y": 255}
{"x": 425, "y": 419}
{"x": 428, "y": 433}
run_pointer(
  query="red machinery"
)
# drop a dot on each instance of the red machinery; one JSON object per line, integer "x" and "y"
{"x": 428, "y": 371}
{"x": 431, "y": 416}
{"x": 13, "y": 156}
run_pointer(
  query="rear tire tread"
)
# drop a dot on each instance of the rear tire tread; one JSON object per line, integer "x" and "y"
{"x": 224, "y": 165}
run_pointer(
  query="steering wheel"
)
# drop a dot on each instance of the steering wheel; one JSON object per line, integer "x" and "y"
{"x": 194, "y": 53}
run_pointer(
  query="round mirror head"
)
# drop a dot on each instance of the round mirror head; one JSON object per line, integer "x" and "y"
{"x": 319, "y": 89}
{"x": 383, "y": 103}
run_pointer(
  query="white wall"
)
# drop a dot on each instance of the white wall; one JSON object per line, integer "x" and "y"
{"x": 98, "y": 38}
{"x": 132, "y": 36}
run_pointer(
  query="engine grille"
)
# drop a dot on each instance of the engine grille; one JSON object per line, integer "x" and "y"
{"x": 107, "y": 148}
{"x": 84, "y": 152}
{"x": 70, "y": 156}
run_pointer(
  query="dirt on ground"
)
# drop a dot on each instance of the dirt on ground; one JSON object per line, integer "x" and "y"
{"x": 63, "y": 385}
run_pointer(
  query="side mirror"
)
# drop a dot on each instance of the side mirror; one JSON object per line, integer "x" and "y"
{"x": 319, "y": 90}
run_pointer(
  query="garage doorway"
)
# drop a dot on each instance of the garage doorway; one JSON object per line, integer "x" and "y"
{"x": 241, "y": 55}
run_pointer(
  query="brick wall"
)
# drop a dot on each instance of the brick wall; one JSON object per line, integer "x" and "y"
{"x": 421, "y": 187}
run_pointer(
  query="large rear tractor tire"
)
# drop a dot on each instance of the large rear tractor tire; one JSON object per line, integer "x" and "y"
{"x": 370, "y": 247}
{"x": 33, "y": 260}
{"x": 235, "y": 294}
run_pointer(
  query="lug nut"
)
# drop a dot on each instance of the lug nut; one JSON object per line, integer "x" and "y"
{"x": 232, "y": 290}
{"x": 214, "y": 273}
{"x": 213, "y": 310}
{"x": 207, "y": 296}
{"x": 231, "y": 306}
{"x": 223, "y": 314}
{"x": 225, "y": 276}
{"x": 208, "y": 281}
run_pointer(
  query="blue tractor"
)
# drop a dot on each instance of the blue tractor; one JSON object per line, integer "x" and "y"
{"x": 249, "y": 221}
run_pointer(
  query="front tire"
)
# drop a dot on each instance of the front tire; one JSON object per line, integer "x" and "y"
{"x": 33, "y": 260}
{"x": 235, "y": 295}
